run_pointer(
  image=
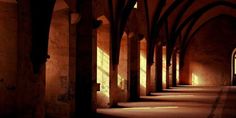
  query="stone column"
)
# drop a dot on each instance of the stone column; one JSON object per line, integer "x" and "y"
{"x": 85, "y": 62}
{"x": 30, "y": 86}
{"x": 133, "y": 67}
{"x": 167, "y": 70}
{"x": 174, "y": 82}
{"x": 148, "y": 79}
{"x": 113, "y": 84}
{"x": 167, "y": 76}
{"x": 148, "y": 74}
{"x": 158, "y": 65}
{"x": 74, "y": 18}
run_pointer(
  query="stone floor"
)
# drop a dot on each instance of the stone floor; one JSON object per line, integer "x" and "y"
{"x": 179, "y": 102}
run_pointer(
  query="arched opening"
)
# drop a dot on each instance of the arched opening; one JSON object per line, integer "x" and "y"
{"x": 206, "y": 65}
{"x": 143, "y": 67}
{"x": 164, "y": 67}
{"x": 122, "y": 69}
{"x": 233, "y": 68}
{"x": 103, "y": 63}
{"x": 177, "y": 69}
{"x": 57, "y": 97}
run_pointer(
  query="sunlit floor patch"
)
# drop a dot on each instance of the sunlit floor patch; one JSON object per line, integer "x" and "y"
{"x": 183, "y": 104}
{"x": 144, "y": 108}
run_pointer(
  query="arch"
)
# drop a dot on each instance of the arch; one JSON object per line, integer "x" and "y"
{"x": 151, "y": 28}
{"x": 103, "y": 62}
{"x": 217, "y": 52}
{"x": 40, "y": 33}
{"x": 57, "y": 67}
{"x": 157, "y": 25}
{"x": 233, "y": 62}
{"x": 144, "y": 83}
{"x": 209, "y": 20}
{"x": 118, "y": 22}
{"x": 197, "y": 22}
{"x": 122, "y": 76}
{"x": 183, "y": 11}
{"x": 196, "y": 15}
{"x": 185, "y": 46}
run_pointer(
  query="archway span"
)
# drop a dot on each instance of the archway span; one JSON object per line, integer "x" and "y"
{"x": 57, "y": 84}
{"x": 157, "y": 25}
{"x": 207, "y": 21}
{"x": 195, "y": 15}
{"x": 208, "y": 54}
{"x": 119, "y": 15}
{"x": 189, "y": 39}
{"x": 211, "y": 14}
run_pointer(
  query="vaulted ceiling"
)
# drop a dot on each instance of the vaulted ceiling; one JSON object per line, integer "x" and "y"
{"x": 172, "y": 22}
{"x": 162, "y": 22}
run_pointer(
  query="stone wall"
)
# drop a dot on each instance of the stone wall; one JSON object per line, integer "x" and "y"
{"x": 8, "y": 57}
{"x": 208, "y": 57}
{"x": 123, "y": 69}
{"x": 57, "y": 66}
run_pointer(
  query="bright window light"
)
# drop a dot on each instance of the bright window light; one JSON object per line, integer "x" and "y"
{"x": 103, "y": 71}
{"x": 143, "y": 70}
{"x": 136, "y": 5}
{"x": 195, "y": 79}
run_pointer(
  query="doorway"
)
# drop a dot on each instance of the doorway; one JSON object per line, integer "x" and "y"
{"x": 143, "y": 67}
{"x": 233, "y": 69}
{"x": 57, "y": 95}
{"x": 103, "y": 63}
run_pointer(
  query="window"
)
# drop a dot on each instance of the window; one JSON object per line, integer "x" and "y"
{"x": 103, "y": 71}
{"x": 136, "y": 5}
{"x": 235, "y": 63}
{"x": 164, "y": 65}
{"x": 142, "y": 71}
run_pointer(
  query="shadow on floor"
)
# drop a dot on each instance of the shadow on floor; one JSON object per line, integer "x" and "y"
{"x": 100, "y": 115}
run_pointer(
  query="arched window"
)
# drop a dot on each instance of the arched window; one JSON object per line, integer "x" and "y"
{"x": 234, "y": 64}
{"x": 233, "y": 68}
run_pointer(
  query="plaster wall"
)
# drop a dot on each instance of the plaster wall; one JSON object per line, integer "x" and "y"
{"x": 208, "y": 58}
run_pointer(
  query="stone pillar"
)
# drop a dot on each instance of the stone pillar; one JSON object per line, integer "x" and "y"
{"x": 113, "y": 84}
{"x": 158, "y": 68}
{"x": 184, "y": 70}
{"x": 94, "y": 71}
{"x": 30, "y": 87}
{"x": 167, "y": 76}
{"x": 85, "y": 62}
{"x": 174, "y": 81}
{"x": 133, "y": 67}
{"x": 167, "y": 70}
{"x": 72, "y": 61}
{"x": 148, "y": 77}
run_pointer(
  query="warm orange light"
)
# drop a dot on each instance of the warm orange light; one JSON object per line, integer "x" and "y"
{"x": 103, "y": 71}
{"x": 144, "y": 108}
{"x": 143, "y": 70}
{"x": 164, "y": 65}
{"x": 195, "y": 79}
{"x": 136, "y": 5}
{"x": 177, "y": 69}
{"x": 121, "y": 82}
